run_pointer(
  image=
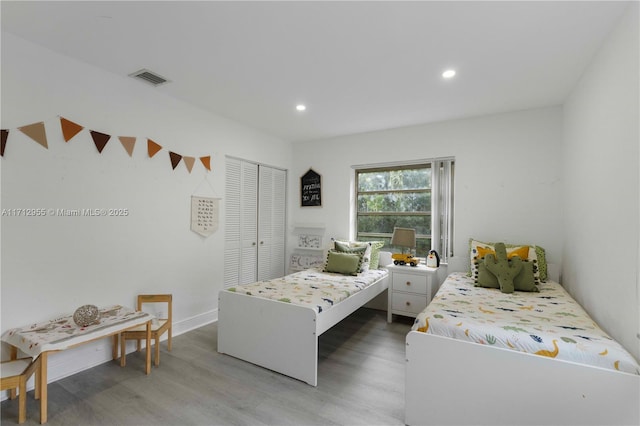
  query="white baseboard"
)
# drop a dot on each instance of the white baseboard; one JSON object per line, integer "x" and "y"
{"x": 67, "y": 363}
{"x": 194, "y": 322}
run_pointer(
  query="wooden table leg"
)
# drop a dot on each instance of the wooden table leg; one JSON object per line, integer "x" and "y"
{"x": 148, "y": 354}
{"x": 123, "y": 351}
{"x": 42, "y": 377}
{"x": 13, "y": 354}
{"x": 114, "y": 346}
{"x": 37, "y": 382}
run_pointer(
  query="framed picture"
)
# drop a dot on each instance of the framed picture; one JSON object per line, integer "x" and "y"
{"x": 311, "y": 189}
{"x": 309, "y": 241}
{"x": 302, "y": 261}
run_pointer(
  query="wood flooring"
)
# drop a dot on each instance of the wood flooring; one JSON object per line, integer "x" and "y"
{"x": 360, "y": 382}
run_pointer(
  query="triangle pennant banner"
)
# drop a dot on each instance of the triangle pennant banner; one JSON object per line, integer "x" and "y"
{"x": 100, "y": 139}
{"x": 188, "y": 161}
{"x": 206, "y": 161}
{"x": 69, "y": 129}
{"x": 152, "y": 148}
{"x": 36, "y": 132}
{"x": 5, "y": 135}
{"x": 128, "y": 142}
{"x": 175, "y": 159}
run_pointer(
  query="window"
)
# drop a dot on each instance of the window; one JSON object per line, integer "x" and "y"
{"x": 416, "y": 196}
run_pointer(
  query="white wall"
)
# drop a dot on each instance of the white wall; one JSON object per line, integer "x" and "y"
{"x": 52, "y": 265}
{"x": 515, "y": 182}
{"x": 601, "y": 186}
{"x": 507, "y": 183}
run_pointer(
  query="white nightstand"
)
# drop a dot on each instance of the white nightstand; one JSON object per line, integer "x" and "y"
{"x": 411, "y": 289}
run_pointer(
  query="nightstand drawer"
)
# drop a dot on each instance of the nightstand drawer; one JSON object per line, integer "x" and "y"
{"x": 409, "y": 282}
{"x": 408, "y": 302}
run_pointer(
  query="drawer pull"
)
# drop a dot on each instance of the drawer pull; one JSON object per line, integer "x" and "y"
{"x": 408, "y": 282}
{"x": 408, "y": 303}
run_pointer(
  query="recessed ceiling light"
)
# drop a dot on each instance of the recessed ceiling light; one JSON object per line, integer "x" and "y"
{"x": 449, "y": 73}
{"x": 300, "y": 107}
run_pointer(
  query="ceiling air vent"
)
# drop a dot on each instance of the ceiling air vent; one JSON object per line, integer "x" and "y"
{"x": 149, "y": 76}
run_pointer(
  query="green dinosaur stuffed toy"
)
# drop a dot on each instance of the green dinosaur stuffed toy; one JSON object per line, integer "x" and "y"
{"x": 504, "y": 269}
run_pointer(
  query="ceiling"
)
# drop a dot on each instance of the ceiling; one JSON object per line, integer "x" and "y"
{"x": 358, "y": 66}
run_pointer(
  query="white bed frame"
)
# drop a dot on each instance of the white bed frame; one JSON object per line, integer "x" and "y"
{"x": 280, "y": 336}
{"x": 452, "y": 382}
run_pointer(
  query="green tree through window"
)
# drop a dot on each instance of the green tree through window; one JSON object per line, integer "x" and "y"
{"x": 389, "y": 197}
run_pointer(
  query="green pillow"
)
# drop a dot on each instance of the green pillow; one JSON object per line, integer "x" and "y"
{"x": 524, "y": 281}
{"x": 539, "y": 263}
{"x": 504, "y": 269}
{"x": 484, "y": 278}
{"x": 539, "y": 260}
{"x": 374, "y": 261}
{"x": 542, "y": 263}
{"x": 375, "y": 254}
{"x": 343, "y": 263}
{"x": 356, "y": 247}
{"x": 346, "y": 248}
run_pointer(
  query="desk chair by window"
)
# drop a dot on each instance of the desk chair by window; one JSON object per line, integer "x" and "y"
{"x": 158, "y": 327}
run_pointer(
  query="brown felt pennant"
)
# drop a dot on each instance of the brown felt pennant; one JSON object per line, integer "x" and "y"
{"x": 36, "y": 132}
{"x": 206, "y": 161}
{"x": 128, "y": 142}
{"x": 175, "y": 159}
{"x": 5, "y": 135}
{"x": 189, "y": 161}
{"x": 100, "y": 139}
{"x": 69, "y": 128}
{"x": 152, "y": 148}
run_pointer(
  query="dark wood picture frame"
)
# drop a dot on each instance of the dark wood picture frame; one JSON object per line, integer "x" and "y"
{"x": 311, "y": 189}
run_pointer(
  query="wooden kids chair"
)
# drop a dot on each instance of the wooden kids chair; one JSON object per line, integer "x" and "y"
{"x": 15, "y": 374}
{"x": 158, "y": 327}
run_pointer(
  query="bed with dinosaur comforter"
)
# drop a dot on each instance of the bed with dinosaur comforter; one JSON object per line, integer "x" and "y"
{"x": 477, "y": 355}
{"x": 546, "y": 323}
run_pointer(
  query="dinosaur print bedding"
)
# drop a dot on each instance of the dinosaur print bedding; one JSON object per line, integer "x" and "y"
{"x": 312, "y": 287}
{"x": 549, "y": 323}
